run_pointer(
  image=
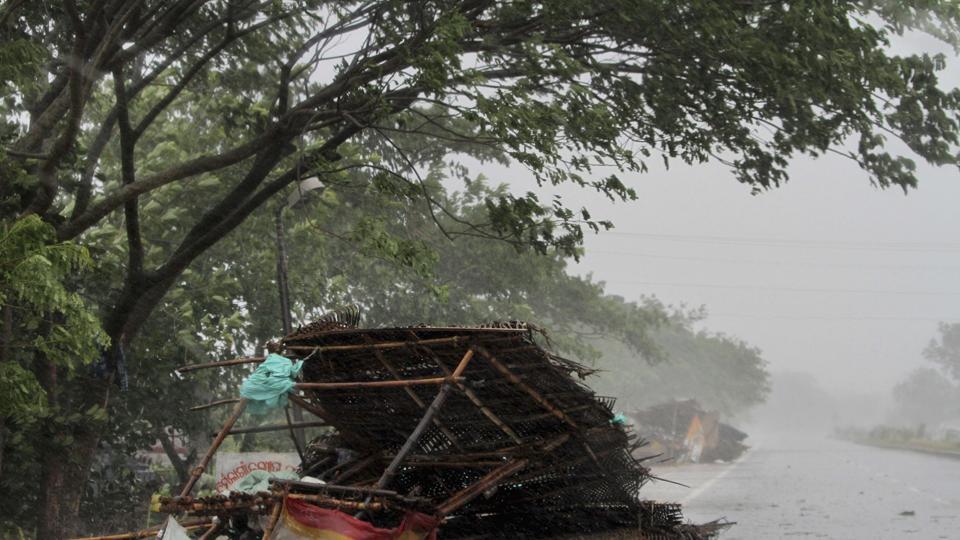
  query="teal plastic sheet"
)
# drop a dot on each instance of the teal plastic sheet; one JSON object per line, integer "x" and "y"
{"x": 258, "y": 481}
{"x": 268, "y": 386}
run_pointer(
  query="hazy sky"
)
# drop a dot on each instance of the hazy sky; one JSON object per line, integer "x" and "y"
{"x": 826, "y": 275}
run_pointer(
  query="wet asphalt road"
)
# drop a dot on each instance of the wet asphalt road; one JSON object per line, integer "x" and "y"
{"x": 813, "y": 487}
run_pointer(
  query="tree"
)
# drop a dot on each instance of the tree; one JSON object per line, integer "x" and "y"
{"x": 35, "y": 272}
{"x": 721, "y": 372}
{"x": 946, "y": 350}
{"x": 926, "y": 397}
{"x": 560, "y": 87}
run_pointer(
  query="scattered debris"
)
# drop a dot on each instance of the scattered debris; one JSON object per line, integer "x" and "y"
{"x": 683, "y": 432}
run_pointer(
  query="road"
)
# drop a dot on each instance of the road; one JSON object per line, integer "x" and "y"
{"x": 812, "y": 487}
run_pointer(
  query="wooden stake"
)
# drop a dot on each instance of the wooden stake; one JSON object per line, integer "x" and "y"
{"x": 227, "y": 426}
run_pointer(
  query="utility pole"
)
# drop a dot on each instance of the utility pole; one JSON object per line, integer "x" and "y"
{"x": 283, "y": 283}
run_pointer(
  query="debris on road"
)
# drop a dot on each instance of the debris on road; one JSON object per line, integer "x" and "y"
{"x": 683, "y": 432}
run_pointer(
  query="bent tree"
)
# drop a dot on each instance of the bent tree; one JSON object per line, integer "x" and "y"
{"x": 281, "y": 90}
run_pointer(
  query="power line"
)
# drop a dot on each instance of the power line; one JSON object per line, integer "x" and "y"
{"x": 859, "y": 245}
{"x": 785, "y": 289}
{"x": 776, "y": 263}
{"x": 833, "y": 318}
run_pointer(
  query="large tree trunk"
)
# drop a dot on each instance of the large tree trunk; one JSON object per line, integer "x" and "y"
{"x": 65, "y": 471}
{"x": 7, "y": 338}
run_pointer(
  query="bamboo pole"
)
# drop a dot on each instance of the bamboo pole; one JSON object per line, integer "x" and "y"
{"x": 472, "y": 396}
{"x": 493, "y": 478}
{"x": 356, "y": 466}
{"x": 227, "y": 426}
{"x": 222, "y": 363}
{"x": 146, "y": 533}
{"x": 416, "y": 399}
{"x": 211, "y": 531}
{"x": 512, "y": 377}
{"x": 261, "y": 502}
{"x": 383, "y": 345}
{"x": 370, "y": 384}
{"x": 425, "y": 420}
{"x": 414, "y": 437}
{"x": 488, "y": 481}
{"x": 311, "y": 408}
{"x": 214, "y": 404}
{"x": 275, "y": 427}
{"x": 274, "y": 518}
{"x": 453, "y": 340}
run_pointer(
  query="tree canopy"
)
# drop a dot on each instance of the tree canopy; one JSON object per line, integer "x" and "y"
{"x": 149, "y": 130}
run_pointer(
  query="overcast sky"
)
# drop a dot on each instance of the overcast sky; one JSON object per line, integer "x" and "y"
{"x": 827, "y": 275}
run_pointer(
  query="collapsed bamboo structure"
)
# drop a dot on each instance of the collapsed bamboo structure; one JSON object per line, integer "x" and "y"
{"x": 479, "y": 427}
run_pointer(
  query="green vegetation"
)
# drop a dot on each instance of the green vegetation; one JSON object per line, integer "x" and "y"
{"x": 160, "y": 137}
{"x": 927, "y": 413}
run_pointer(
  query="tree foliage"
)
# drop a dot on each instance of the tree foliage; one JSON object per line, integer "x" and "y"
{"x": 721, "y": 372}
{"x": 945, "y": 350}
{"x": 926, "y": 397}
{"x": 152, "y": 129}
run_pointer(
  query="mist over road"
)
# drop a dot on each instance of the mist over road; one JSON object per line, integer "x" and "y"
{"x": 813, "y": 487}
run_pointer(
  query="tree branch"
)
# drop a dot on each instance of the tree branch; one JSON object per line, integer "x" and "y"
{"x": 127, "y": 175}
{"x": 198, "y": 165}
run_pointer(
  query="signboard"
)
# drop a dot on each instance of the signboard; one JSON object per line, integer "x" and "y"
{"x": 234, "y": 466}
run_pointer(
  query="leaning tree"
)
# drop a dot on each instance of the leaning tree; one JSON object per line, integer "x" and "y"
{"x": 296, "y": 88}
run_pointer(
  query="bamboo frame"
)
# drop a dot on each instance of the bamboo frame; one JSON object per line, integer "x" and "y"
{"x": 227, "y": 426}
{"x": 492, "y": 479}
{"x": 425, "y": 420}
{"x": 512, "y": 377}
{"x": 413, "y": 396}
{"x": 258, "y": 503}
{"x": 472, "y": 396}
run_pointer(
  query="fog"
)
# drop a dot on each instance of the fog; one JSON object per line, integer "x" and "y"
{"x": 828, "y": 275}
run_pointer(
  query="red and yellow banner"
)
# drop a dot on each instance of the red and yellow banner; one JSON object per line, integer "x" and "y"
{"x": 304, "y": 521}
